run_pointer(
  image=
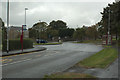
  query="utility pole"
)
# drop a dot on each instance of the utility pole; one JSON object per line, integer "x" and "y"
{"x": 109, "y": 23}
{"x": 109, "y": 35}
{"x": 8, "y": 26}
{"x": 108, "y": 27}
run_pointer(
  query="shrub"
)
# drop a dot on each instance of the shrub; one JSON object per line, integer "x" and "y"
{"x": 16, "y": 44}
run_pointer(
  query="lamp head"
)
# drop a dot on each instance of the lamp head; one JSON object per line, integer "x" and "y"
{"x": 26, "y": 8}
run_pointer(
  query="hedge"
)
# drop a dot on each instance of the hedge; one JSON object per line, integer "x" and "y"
{"x": 16, "y": 44}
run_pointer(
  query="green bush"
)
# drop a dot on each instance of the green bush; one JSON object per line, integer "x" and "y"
{"x": 16, "y": 44}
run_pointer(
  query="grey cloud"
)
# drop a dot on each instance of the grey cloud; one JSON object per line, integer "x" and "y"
{"x": 73, "y": 13}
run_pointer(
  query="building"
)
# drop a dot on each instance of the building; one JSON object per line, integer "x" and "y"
{"x": 16, "y": 31}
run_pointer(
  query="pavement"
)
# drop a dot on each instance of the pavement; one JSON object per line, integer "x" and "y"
{"x": 24, "y": 51}
{"x": 56, "y": 58}
{"x": 110, "y": 72}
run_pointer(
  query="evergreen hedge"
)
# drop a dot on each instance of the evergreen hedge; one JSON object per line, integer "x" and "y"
{"x": 16, "y": 44}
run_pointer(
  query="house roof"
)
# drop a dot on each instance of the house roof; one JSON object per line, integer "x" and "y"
{"x": 16, "y": 27}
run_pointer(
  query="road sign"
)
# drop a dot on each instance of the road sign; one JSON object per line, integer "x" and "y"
{"x": 24, "y": 27}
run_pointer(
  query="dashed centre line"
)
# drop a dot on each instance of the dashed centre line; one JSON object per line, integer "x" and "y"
{"x": 16, "y": 62}
{"x": 6, "y": 60}
{"x": 38, "y": 55}
{"x": 10, "y": 61}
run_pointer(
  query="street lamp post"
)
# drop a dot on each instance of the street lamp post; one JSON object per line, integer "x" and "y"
{"x": 25, "y": 15}
{"x": 7, "y": 26}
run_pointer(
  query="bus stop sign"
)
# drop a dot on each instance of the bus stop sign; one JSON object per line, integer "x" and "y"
{"x": 24, "y": 27}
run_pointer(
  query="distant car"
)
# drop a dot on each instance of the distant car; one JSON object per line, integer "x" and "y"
{"x": 41, "y": 41}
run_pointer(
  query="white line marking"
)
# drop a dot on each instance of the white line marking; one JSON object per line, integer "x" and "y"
{"x": 16, "y": 62}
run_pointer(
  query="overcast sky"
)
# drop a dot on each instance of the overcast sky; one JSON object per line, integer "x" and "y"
{"x": 73, "y": 12}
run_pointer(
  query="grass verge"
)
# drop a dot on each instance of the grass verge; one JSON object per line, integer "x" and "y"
{"x": 101, "y": 59}
{"x": 107, "y": 46}
{"x": 90, "y": 41}
{"x": 69, "y": 75}
{"x": 47, "y": 43}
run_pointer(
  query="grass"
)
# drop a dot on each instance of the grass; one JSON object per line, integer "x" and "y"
{"x": 107, "y": 46}
{"x": 90, "y": 41}
{"x": 101, "y": 59}
{"x": 113, "y": 39}
{"x": 48, "y": 43}
{"x": 69, "y": 75}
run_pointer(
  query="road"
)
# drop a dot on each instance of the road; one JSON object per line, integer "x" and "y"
{"x": 56, "y": 58}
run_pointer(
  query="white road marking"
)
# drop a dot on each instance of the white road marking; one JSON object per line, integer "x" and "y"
{"x": 16, "y": 62}
{"x": 45, "y": 55}
{"x": 27, "y": 59}
{"x": 51, "y": 53}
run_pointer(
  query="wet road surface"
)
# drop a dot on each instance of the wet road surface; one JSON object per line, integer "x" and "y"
{"x": 56, "y": 58}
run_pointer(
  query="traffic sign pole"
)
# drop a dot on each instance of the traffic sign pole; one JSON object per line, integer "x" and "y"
{"x": 21, "y": 39}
